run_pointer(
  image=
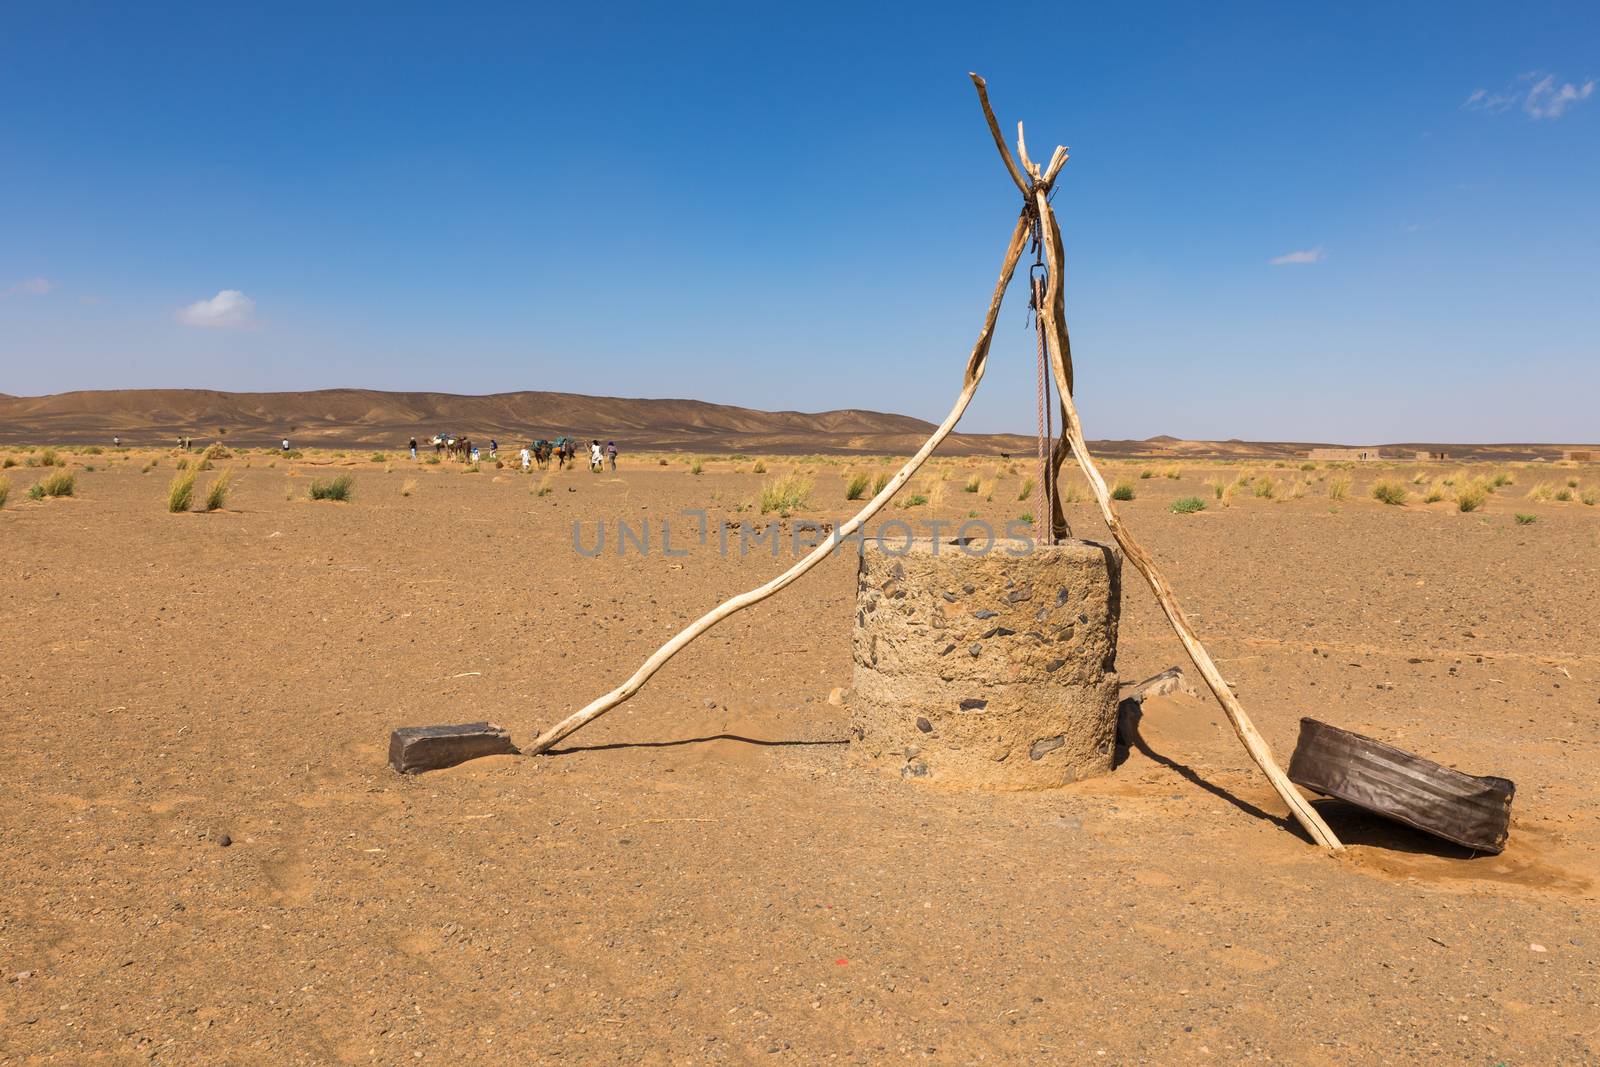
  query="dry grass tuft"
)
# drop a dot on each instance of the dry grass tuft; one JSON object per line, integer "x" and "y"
{"x": 785, "y": 494}
{"x": 1026, "y": 491}
{"x": 857, "y": 487}
{"x": 1390, "y": 492}
{"x": 1472, "y": 496}
{"x": 408, "y": 487}
{"x": 341, "y": 488}
{"x": 880, "y": 481}
{"x": 1338, "y": 487}
{"x": 180, "y": 493}
{"x": 1123, "y": 490}
{"x": 217, "y": 494}
{"x": 5, "y": 491}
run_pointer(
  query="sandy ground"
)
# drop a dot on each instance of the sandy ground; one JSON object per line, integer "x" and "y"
{"x": 709, "y": 874}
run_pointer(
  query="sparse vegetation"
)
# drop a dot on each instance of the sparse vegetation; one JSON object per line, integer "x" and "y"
{"x": 1188, "y": 505}
{"x": 785, "y": 494}
{"x": 1542, "y": 491}
{"x": 1435, "y": 492}
{"x": 408, "y": 487}
{"x": 1390, "y": 492}
{"x": 1123, "y": 490}
{"x": 180, "y": 493}
{"x": 880, "y": 481}
{"x": 1026, "y": 491}
{"x": 1146, "y": 473}
{"x": 1564, "y": 494}
{"x": 379, "y": 457}
{"x": 697, "y": 466}
{"x": 857, "y": 487}
{"x": 5, "y": 491}
{"x": 1472, "y": 496}
{"x": 340, "y": 488}
{"x": 915, "y": 500}
{"x": 1589, "y": 497}
{"x": 1503, "y": 478}
{"x": 546, "y": 485}
{"x": 1338, "y": 487}
{"x": 972, "y": 485}
{"x": 1524, "y": 519}
{"x": 60, "y": 483}
{"x": 759, "y": 468}
{"x": 217, "y": 493}
{"x": 1266, "y": 488}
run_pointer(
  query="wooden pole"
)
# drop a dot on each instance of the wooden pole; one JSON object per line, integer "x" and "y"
{"x": 974, "y": 374}
{"x": 1053, "y": 314}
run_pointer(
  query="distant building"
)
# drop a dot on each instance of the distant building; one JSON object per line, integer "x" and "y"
{"x": 1344, "y": 455}
{"x": 1429, "y": 457}
{"x": 1581, "y": 455}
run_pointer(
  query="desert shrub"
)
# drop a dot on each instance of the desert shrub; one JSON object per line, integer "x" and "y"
{"x": 148, "y": 467}
{"x": 1338, "y": 487}
{"x": 180, "y": 494}
{"x": 471, "y": 468}
{"x": 1026, "y": 491}
{"x": 295, "y": 453}
{"x": 1435, "y": 492}
{"x": 546, "y": 485}
{"x": 1589, "y": 496}
{"x": 857, "y": 487}
{"x": 785, "y": 494}
{"x": 378, "y": 457}
{"x": 5, "y": 491}
{"x": 761, "y": 468}
{"x": 1123, "y": 490}
{"x": 434, "y": 459}
{"x": 1542, "y": 491}
{"x": 1563, "y": 494}
{"x": 49, "y": 458}
{"x": 880, "y": 481}
{"x": 1501, "y": 479}
{"x": 1472, "y": 496}
{"x": 1390, "y": 492}
{"x": 915, "y": 500}
{"x": 217, "y": 493}
{"x": 1146, "y": 473}
{"x": 408, "y": 487}
{"x": 1572, "y": 483}
{"x": 1173, "y": 472}
{"x": 60, "y": 483}
{"x": 1524, "y": 519}
{"x": 1308, "y": 466}
{"x": 1188, "y": 505}
{"x": 1215, "y": 487}
{"x": 697, "y": 466}
{"x": 217, "y": 451}
{"x": 340, "y": 488}
{"x": 1265, "y": 488}
{"x": 972, "y": 484}
{"x": 92, "y": 450}
{"x": 7, "y": 463}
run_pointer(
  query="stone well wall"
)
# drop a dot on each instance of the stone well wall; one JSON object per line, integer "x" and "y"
{"x": 993, "y": 670}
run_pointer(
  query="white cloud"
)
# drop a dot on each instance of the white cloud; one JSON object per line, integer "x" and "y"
{"x": 229, "y": 309}
{"x": 32, "y": 287}
{"x": 1537, "y": 93}
{"x": 1309, "y": 255}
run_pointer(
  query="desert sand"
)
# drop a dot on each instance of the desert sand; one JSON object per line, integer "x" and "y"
{"x": 207, "y": 860}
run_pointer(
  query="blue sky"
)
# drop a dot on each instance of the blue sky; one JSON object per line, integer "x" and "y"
{"x": 799, "y": 207}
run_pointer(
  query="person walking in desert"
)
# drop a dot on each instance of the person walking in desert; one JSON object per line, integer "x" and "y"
{"x": 596, "y": 461}
{"x": 611, "y": 454}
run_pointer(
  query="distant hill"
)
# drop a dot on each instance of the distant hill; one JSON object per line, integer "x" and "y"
{"x": 371, "y": 418}
{"x": 363, "y": 418}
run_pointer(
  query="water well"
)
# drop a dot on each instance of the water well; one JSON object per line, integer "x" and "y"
{"x": 988, "y": 667}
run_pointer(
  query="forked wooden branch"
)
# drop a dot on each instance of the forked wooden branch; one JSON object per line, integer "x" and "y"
{"x": 974, "y": 374}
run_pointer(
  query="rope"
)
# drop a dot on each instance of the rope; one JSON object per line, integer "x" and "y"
{"x": 1042, "y": 517}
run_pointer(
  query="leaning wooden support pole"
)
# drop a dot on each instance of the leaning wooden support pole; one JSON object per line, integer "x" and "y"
{"x": 1052, "y": 314}
{"x": 974, "y": 374}
{"x": 1254, "y": 743}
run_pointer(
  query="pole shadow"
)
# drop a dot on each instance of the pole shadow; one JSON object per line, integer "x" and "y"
{"x": 758, "y": 741}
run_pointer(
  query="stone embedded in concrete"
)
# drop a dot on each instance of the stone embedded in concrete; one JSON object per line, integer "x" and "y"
{"x": 1032, "y": 704}
{"x": 413, "y": 749}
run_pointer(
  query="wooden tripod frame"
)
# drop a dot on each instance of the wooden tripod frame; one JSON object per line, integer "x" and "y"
{"x": 1035, "y": 184}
